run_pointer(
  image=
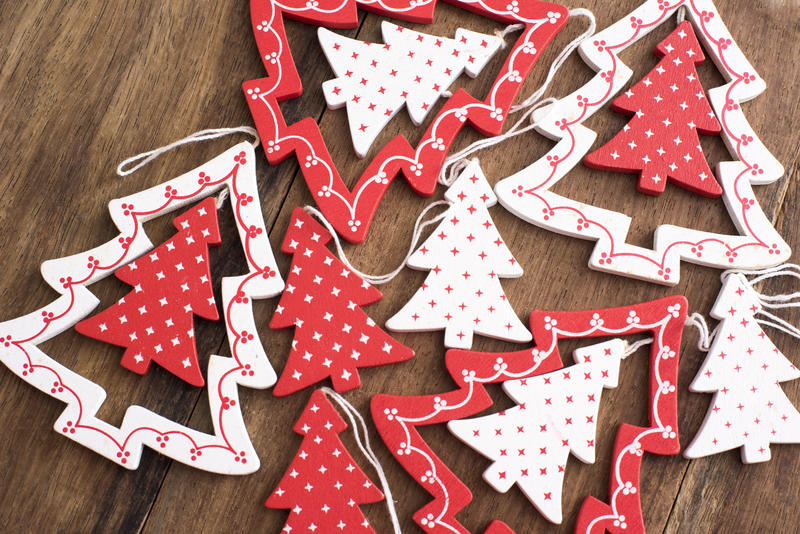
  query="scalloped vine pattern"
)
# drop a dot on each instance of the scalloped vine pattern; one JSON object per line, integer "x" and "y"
{"x": 527, "y": 193}
{"x": 228, "y": 450}
{"x": 350, "y": 211}
{"x": 396, "y": 417}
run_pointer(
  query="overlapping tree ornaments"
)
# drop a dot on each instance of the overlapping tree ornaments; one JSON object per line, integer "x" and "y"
{"x": 228, "y": 449}
{"x": 171, "y": 284}
{"x": 333, "y": 337}
{"x": 527, "y": 193}
{"x": 556, "y": 415}
{"x": 466, "y": 258}
{"x": 412, "y": 68}
{"x": 744, "y": 370}
{"x": 397, "y": 417}
{"x": 323, "y": 486}
{"x": 669, "y": 108}
{"x": 350, "y": 211}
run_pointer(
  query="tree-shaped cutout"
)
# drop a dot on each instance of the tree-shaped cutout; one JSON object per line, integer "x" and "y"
{"x": 556, "y": 414}
{"x": 374, "y": 80}
{"x": 669, "y": 108}
{"x": 171, "y": 285}
{"x": 466, "y": 257}
{"x": 333, "y": 337}
{"x": 744, "y": 369}
{"x": 323, "y": 485}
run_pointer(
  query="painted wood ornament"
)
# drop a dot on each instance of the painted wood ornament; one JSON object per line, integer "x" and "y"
{"x": 466, "y": 258}
{"x": 527, "y": 193}
{"x": 323, "y": 485}
{"x": 397, "y": 417}
{"x": 171, "y": 284}
{"x": 669, "y": 108}
{"x": 744, "y": 370}
{"x": 556, "y": 414}
{"x": 333, "y": 337}
{"x": 413, "y": 69}
{"x": 228, "y": 449}
{"x": 350, "y": 211}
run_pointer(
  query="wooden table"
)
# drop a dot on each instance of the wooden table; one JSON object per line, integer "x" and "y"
{"x": 86, "y": 84}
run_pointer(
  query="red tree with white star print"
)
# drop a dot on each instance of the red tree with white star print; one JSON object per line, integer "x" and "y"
{"x": 323, "y": 485}
{"x": 557, "y": 414}
{"x": 744, "y": 370}
{"x": 171, "y": 284}
{"x": 669, "y": 108}
{"x": 332, "y": 335}
{"x": 375, "y": 80}
{"x": 466, "y": 257}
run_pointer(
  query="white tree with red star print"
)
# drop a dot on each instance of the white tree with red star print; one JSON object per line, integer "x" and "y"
{"x": 323, "y": 485}
{"x": 171, "y": 284}
{"x": 466, "y": 257}
{"x": 556, "y": 414}
{"x": 375, "y": 80}
{"x": 744, "y": 369}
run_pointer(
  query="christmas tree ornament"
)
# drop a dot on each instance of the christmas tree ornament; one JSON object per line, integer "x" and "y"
{"x": 333, "y": 337}
{"x": 350, "y": 211}
{"x": 556, "y": 414}
{"x": 375, "y": 80}
{"x": 744, "y": 370}
{"x": 171, "y": 284}
{"x": 323, "y": 485}
{"x": 498, "y": 527}
{"x": 669, "y": 108}
{"x": 466, "y": 258}
{"x": 228, "y": 449}
{"x": 397, "y": 417}
{"x": 527, "y": 193}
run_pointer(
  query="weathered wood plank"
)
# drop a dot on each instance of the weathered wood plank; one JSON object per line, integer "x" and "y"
{"x": 147, "y": 75}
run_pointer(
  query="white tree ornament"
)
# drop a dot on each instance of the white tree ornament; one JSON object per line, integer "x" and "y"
{"x": 556, "y": 414}
{"x": 374, "y": 80}
{"x": 527, "y": 193}
{"x": 466, "y": 257}
{"x": 744, "y": 370}
{"x": 228, "y": 449}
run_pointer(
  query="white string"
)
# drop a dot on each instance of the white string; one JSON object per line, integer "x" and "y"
{"x": 366, "y": 450}
{"x": 561, "y": 58}
{"x": 419, "y": 226}
{"x": 636, "y": 345}
{"x": 790, "y": 300}
{"x": 222, "y": 197}
{"x": 681, "y": 14}
{"x": 203, "y": 135}
{"x": 447, "y": 178}
{"x": 705, "y": 337}
{"x": 508, "y": 29}
{"x": 529, "y": 105}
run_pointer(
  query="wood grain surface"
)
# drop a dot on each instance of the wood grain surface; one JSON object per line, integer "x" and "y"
{"x": 84, "y": 84}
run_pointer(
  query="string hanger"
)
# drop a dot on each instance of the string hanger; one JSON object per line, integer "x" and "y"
{"x": 455, "y": 163}
{"x": 419, "y": 226}
{"x": 366, "y": 450}
{"x": 772, "y": 302}
{"x": 705, "y": 337}
{"x": 140, "y": 160}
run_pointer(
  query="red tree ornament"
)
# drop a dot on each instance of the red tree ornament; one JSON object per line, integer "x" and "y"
{"x": 333, "y": 336}
{"x": 669, "y": 108}
{"x": 323, "y": 485}
{"x": 171, "y": 284}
